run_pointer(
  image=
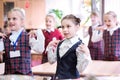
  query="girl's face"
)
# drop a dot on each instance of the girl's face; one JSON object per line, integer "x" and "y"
{"x": 94, "y": 19}
{"x": 15, "y": 21}
{"x": 109, "y": 21}
{"x": 69, "y": 29}
{"x": 50, "y": 22}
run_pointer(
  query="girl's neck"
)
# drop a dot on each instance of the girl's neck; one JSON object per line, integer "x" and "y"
{"x": 17, "y": 30}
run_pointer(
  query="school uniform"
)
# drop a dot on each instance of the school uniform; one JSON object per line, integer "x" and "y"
{"x": 17, "y": 56}
{"x": 112, "y": 44}
{"x": 70, "y": 62}
{"x": 96, "y": 48}
{"x": 49, "y": 35}
{"x": 66, "y": 65}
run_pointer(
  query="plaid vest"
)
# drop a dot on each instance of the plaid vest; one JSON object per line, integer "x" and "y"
{"x": 20, "y": 64}
{"x": 112, "y": 45}
{"x": 96, "y": 48}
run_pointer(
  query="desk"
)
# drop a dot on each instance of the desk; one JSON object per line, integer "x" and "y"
{"x": 103, "y": 68}
{"x": 97, "y": 68}
{"x": 36, "y": 58}
{"x": 46, "y": 69}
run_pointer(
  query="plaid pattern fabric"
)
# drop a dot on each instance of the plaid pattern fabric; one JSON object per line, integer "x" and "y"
{"x": 112, "y": 45}
{"x": 96, "y": 48}
{"x": 20, "y": 64}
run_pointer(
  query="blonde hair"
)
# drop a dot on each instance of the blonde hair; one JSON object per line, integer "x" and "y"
{"x": 114, "y": 15}
{"x": 52, "y": 15}
{"x": 20, "y": 10}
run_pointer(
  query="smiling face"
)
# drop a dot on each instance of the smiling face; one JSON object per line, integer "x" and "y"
{"x": 15, "y": 20}
{"x": 50, "y": 22}
{"x": 110, "y": 20}
{"x": 94, "y": 19}
{"x": 69, "y": 29}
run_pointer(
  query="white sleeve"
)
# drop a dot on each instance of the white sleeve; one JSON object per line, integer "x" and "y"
{"x": 97, "y": 36}
{"x": 52, "y": 54}
{"x": 38, "y": 44}
{"x": 1, "y": 45}
{"x": 85, "y": 32}
{"x": 82, "y": 60}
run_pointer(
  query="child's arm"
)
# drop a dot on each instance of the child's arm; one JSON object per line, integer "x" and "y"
{"x": 1, "y": 41}
{"x": 37, "y": 41}
{"x": 2, "y": 35}
{"x": 98, "y": 34}
{"x": 51, "y": 51}
{"x": 1, "y": 56}
{"x": 83, "y": 57}
{"x": 85, "y": 31}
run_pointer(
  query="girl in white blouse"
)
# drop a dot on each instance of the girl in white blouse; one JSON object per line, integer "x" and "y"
{"x": 71, "y": 54}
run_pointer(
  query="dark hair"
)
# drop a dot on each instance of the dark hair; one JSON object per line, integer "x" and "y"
{"x": 75, "y": 19}
{"x": 95, "y": 14}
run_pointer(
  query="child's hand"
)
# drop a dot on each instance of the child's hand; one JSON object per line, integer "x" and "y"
{"x": 83, "y": 48}
{"x": 3, "y": 35}
{"x": 54, "y": 43}
{"x": 101, "y": 28}
{"x": 32, "y": 34}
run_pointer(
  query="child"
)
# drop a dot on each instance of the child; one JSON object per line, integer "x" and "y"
{"x": 71, "y": 54}
{"x": 110, "y": 33}
{"x": 96, "y": 48}
{"x": 50, "y": 33}
{"x": 17, "y": 49}
{"x": 6, "y": 28}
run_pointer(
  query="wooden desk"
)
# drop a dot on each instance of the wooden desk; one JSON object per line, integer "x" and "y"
{"x": 36, "y": 58}
{"x": 103, "y": 68}
{"x": 97, "y": 68}
{"x": 45, "y": 69}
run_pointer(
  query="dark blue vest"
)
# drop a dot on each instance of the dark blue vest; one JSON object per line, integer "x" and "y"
{"x": 66, "y": 65}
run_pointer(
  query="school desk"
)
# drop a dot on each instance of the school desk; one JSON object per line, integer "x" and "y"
{"x": 97, "y": 68}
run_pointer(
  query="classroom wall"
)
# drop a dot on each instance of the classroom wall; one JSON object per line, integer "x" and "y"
{"x": 35, "y": 13}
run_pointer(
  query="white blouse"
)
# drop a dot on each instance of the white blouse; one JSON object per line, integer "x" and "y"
{"x": 97, "y": 37}
{"x": 82, "y": 59}
{"x": 36, "y": 44}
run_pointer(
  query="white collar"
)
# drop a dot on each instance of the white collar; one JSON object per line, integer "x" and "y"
{"x": 113, "y": 28}
{"x": 17, "y": 32}
{"x": 13, "y": 37}
{"x": 74, "y": 39}
{"x": 49, "y": 30}
{"x": 95, "y": 25}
